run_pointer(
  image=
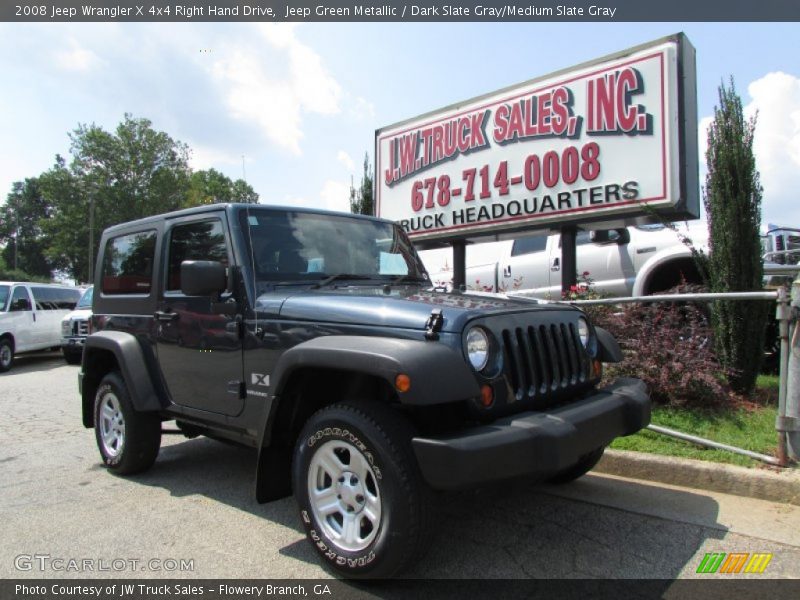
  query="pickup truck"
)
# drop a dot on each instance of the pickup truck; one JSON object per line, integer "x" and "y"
{"x": 620, "y": 262}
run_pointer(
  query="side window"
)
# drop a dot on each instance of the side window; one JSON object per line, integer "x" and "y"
{"x": 45, "y": 298}
{"x": 203, "y": 240}
{"x": 581, "y": 238}
{"x": 128, "y": 263}
{"x": 68, "y": 298}
{"x": 529, "y": 245}
{"x": 20, "y": 300}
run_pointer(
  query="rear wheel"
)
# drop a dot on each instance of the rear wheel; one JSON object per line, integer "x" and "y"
{"x": 586, "y": 463}
{"x": 6, "y": 354}
{"x": 128, "y": 440}
{"x": 362, "y": 500}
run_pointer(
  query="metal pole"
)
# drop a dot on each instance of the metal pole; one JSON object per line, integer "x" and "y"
{"x": 768, "y": 295}
{"x": 16, "y": 235}
{"x": 459, "y": 264}
{"x": 91, "y": 238}
{"x": 704, "y": 442}
{"x": 782, "y": 315}
{"x": 790, "y": 421}
{"x": 569, "y": 260}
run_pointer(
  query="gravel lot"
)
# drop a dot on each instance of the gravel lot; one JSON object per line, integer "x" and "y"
{"x": 197, "y": 504}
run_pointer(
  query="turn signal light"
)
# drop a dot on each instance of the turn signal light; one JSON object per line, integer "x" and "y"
{"x": 402, "y": 382}
{"x": 487, "y": 395}
{"x": 597, "y": 369}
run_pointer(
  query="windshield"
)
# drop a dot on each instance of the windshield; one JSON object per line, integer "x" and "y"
{"x": 86, "y": 299}
{"x": 298, "y": 246}
{"x": 3, "y": 296}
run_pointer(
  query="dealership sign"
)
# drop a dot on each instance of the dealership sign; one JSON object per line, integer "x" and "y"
{"x": 610, "y": 140}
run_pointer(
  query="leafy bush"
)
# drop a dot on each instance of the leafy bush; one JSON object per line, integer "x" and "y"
{"x": 670, "y": 347}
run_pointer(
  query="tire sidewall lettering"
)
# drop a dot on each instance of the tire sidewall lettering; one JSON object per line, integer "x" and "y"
{"x": 327, "y": 550}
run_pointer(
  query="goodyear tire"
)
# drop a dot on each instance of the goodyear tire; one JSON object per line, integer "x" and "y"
{"x": 363, "y": 503}
{"x": 585, "y": 464}
{"x": 128, "y": 440}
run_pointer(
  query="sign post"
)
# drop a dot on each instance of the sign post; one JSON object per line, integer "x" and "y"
{"x": 612, "y": 141}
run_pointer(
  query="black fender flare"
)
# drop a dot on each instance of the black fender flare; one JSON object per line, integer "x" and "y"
{"x": 130, "y": 357}
{"x": 608, "y": 349}
{"x": 438, "y": 375}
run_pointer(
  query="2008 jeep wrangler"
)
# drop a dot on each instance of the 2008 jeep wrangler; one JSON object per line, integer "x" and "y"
{"x": 317, "y": 339}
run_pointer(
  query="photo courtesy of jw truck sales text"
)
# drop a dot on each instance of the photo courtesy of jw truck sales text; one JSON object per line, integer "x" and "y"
{"x": 591, "y": 143}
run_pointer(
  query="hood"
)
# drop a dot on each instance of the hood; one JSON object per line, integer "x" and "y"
{"x": 402, "y": 307}
{"x": 82, "y": 313}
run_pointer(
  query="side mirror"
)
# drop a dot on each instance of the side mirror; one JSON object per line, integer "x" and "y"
{"x": 203, "y": 277}
{"x": 610, "y": 236}
{"x": 600, "y": 236}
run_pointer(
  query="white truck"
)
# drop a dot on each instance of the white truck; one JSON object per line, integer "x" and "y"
{"x": 30, "y": 317}
{"x": 619, "y": 262}
{"x": 627, "y": 261}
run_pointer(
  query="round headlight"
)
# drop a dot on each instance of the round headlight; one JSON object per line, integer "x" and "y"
{"x": 583, "y": 331}
{"x": 477, "y": 348}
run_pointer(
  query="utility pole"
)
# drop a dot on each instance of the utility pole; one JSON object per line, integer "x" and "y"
{"x": 16, "y": 234}
{"x": 91, "y": 238}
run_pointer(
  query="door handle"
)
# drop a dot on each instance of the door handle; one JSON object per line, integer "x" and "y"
{"x": 556, "y": 265}
{"x": 165, "y": 316}
{"x": 507, "y": 271}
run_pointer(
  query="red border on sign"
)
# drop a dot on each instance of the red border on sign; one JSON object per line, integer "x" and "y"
{"x": 659, "y": 55}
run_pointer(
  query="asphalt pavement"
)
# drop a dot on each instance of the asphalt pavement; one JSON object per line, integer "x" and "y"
{"x": 194, "y": 514}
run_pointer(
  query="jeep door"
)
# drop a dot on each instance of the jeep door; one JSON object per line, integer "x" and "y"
{"x": 198, "y": 344}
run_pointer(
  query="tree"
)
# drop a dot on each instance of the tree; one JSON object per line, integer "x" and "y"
{"x": 211, "y": 186}
{"x": 361, "y": 199}
{"x": 732, "y": 198}
{"x": 66, "y": 232}
{"x": 112, "y": 178}
{"x": 20, "y": 229}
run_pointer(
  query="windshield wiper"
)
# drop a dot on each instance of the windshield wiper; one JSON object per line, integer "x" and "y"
{"x": 336, "y": 277}
{"x": 398, "y": 279}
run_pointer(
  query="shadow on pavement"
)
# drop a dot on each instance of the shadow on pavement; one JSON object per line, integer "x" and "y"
{"x": 36, "y": 361}
{"x": 517, "y": 529}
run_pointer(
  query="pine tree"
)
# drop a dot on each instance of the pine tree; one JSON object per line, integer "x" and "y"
{"x": 732, "y": 198}
{"x": 361, "y": 199}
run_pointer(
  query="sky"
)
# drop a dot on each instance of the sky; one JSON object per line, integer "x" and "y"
{"x": 294, "y": 107}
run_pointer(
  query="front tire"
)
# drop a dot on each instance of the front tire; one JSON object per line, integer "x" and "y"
{"x": 6, "y": 355}
{"x": 364, "y": 505}
{"x": 128, "y": 440}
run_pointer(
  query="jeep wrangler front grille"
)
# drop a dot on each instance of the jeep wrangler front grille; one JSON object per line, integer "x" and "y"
{"x": 543, "y": 359}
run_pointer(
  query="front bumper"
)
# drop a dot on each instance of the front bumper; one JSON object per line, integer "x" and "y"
{"x": 73, "y": 342}
{"x": 534, "y": 443}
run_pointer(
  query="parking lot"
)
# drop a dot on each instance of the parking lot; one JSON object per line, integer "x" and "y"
{"x": 194, "y": 514}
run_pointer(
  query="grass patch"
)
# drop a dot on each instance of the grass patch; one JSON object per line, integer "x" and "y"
{"x": 747, "y": 425}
